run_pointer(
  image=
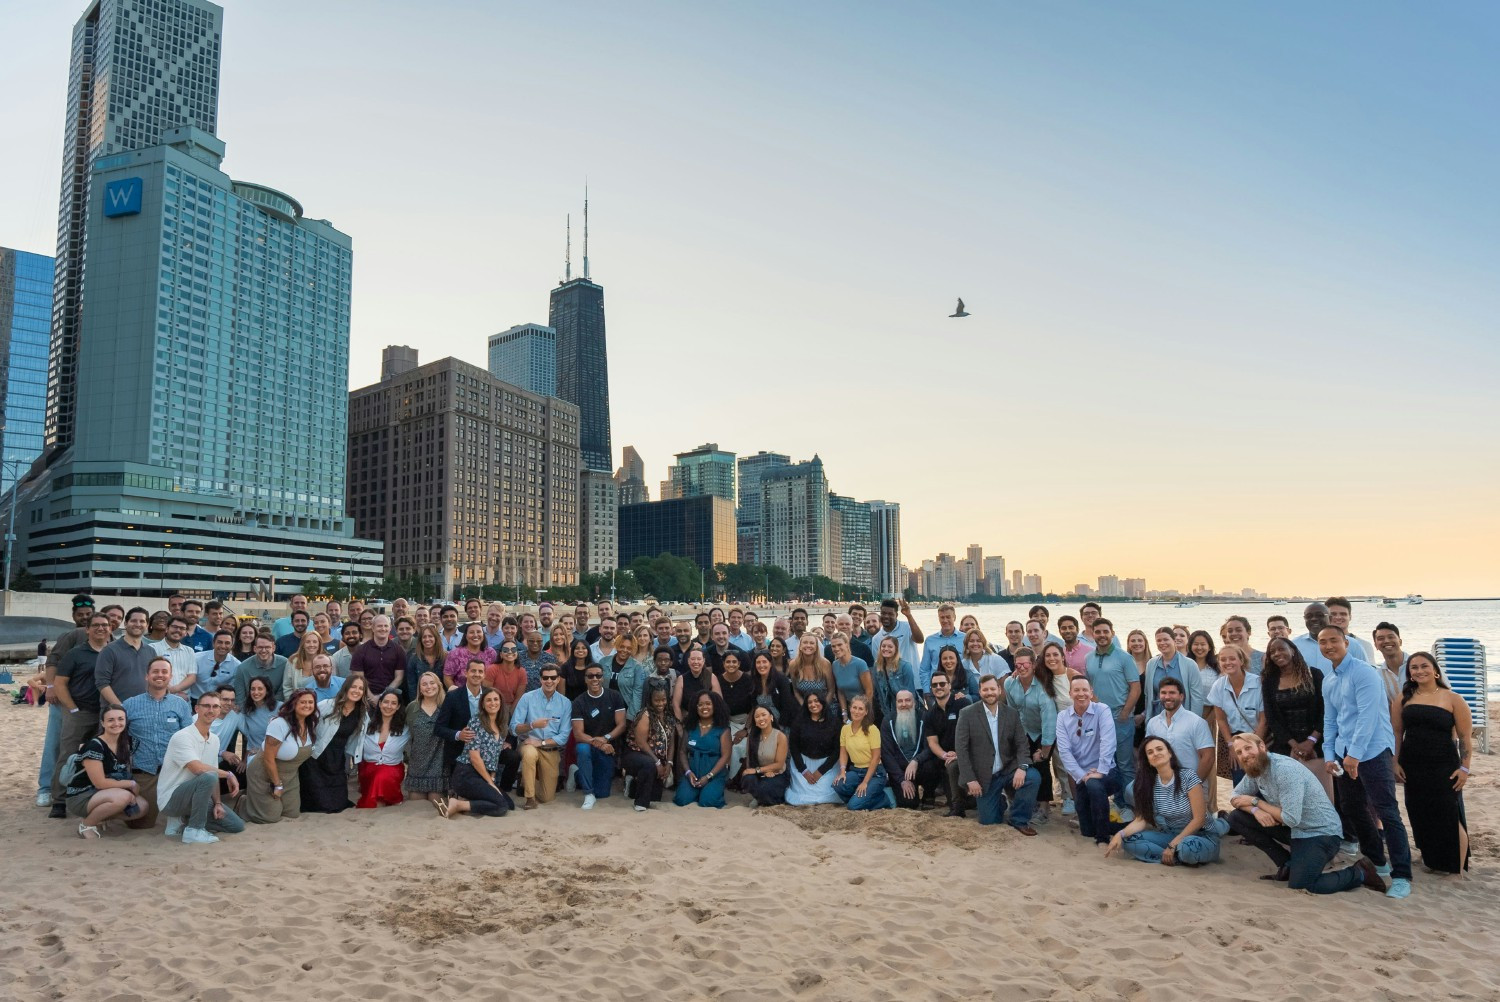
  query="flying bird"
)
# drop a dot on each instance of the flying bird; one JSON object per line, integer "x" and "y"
{"x": 961, "y": 312}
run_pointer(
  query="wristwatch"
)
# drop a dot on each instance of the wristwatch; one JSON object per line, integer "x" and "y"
{"x": 1254, "y": 802}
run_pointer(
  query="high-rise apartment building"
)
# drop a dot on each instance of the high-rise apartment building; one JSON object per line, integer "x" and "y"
{"x": 25, "y": 332}
{"x": 189, "y": 468}
{"x": 598, "y": 522}
{"x": 1017, "y": 583}
{"x": 1109, "y": 586}
{"x": 994, "y": 576}
{"x": 466, "y": 479}
{"x": 700, "y": 529}
{"x": 704, "y": 470}
{"x": 747, "y": 514}
{"x": 526, "y": 356}
{"x": 1133, "y": 588}
{"x": 794, "y": 519}
{"x": 1031, "y": 584}
{"x": 849, "y": 534}
{"x": 885, "y": 547}
{"x": 139, "y": 69}
{"x": 630, "y": 478}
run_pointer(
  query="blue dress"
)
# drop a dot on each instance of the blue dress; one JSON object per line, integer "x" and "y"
{"x": 702, "y": 753}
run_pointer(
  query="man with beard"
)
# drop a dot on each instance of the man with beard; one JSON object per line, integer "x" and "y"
{"x": 915, "y": 773}
{"x": 1281, "y": 809}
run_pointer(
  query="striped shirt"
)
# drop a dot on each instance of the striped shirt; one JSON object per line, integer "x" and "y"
{"x": 1174, "y": 811}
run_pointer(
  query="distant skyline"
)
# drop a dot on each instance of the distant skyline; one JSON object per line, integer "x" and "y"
{"x": 1230, "y": 270}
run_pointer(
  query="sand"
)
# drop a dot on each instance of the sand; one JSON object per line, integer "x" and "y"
{"x": 815, "y": 904}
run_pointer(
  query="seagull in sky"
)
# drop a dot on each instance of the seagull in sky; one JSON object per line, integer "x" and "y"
{"x": 961, "y": 312}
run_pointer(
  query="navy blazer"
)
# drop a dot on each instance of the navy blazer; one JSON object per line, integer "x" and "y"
{"x": 452, "y": 717}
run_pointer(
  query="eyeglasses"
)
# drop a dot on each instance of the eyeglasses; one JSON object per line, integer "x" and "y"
{"x": 508, "y": 650}
{"x": 940, "y": 685}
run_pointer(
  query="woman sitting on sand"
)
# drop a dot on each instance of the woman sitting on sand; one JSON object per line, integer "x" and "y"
{"x": 653, "y": 746}
{"x": 1171, "y": 823}
{"x": 861, "y": 779}
{"x": 812, "y": 748}
{"x": 101, "y": 788}
{"x": 765, "y": 777}
{"x": 476, "y": 776}
{"x": 703, "y": 761}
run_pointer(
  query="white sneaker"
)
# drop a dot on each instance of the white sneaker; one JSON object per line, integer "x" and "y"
{"x": 570, "y": 785}
{"x": 44, "y": 798}
{"x": 174, "y": 827}
{"x": 1349, "y": 849}
{"x": 1068, "y": 809}
{"x": 1127, "y": 815}
{"x": 588, "y": 801}
{"x": 198, "y": 836}
{"x": 640, "y": 808}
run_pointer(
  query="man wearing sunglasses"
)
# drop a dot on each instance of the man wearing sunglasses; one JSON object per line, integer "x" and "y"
{"x": 598, "y": 725}
{"x": 942, "y": 730}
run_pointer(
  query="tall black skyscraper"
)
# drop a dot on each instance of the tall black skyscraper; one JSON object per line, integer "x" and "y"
{"x": 576, "y": 312}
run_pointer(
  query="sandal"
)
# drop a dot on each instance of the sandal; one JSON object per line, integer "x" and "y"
{"x": 442, "y": 806}
{"x": 90, "y": 831}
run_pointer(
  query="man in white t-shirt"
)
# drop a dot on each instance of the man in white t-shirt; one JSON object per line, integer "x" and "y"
{"x": 907, "y": 635}
{"x": 1188, "y": 734}
{"x": 187, "y": 786}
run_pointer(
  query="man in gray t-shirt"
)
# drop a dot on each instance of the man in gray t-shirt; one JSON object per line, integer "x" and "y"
{"x": 1281, "y": 809}
{"x": 120, "y": 671}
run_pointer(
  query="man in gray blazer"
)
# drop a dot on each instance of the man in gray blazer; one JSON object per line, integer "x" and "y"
{"x": 993, "y": 757}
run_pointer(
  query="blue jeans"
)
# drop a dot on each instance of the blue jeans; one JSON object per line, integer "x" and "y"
{"x": 1092, "y": 800}
{"x": 1374, "y": 792}
{"x": 596, "y": 770}
{"x": 1124, "y": 758}
{"x": 711, "y": 794}
{"x": 874, "y": 797}
{"x": 1304, "y": 858}
{"x": 991, "y": 802}
{"x": 1195, "y": 850}
{"x": 49, "y": 746}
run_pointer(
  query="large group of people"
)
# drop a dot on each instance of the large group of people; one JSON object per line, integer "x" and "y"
{"x": 211, "y": 721}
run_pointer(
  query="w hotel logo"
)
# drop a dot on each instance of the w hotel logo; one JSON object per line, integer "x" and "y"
{"x": 123, "y": 197}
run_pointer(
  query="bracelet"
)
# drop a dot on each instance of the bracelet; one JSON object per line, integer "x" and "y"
{"x": 1464, "y": 769}
{"x": 278, "y": 786}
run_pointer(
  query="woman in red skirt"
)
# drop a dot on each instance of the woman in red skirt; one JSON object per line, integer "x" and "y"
{"x": 380, "y": 769}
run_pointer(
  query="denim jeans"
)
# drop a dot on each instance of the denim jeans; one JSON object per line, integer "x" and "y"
{"x": 991, "y": 802}
{"x": 1195, "y": 850}
{"x": 1124, "y": 758}
{"x": 874, "y": 797}
{"x": 596, "y": 771}
{"x": 1304, "y": 858}
{"x": 1374, "y": 793}
{"x": 1092, "y": 801}
{"x": 49, "y": 746}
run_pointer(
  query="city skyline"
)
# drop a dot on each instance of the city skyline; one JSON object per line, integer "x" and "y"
{"x": 1272, "y": 262}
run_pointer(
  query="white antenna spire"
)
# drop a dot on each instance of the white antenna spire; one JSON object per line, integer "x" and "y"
{"x": 585, "y": 229}
{"x": 568, "y": 254}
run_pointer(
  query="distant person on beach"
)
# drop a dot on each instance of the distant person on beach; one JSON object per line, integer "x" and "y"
{"x": 1282, "y": 810}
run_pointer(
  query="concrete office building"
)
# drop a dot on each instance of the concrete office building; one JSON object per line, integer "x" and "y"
{"x": 598, "y": 522}
{"x": 190, "y": 469}
{"x": 630, "y": 478}
{"x": 25, "y": 332}
{"x": 885, "y": 546}
{"x": 466, "y": 480}
{"x": 794, "y": 519}
{"x": 747, "y": 514}
{"x": 700, "y": 529}
{"x": 138, "y": 69}
{"x": 526, "y": 356}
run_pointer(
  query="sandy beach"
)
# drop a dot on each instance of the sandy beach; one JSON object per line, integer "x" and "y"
{"x": 689, "y": 903}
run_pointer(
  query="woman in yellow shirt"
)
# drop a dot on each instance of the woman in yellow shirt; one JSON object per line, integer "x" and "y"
{"x": 861, "y": 779}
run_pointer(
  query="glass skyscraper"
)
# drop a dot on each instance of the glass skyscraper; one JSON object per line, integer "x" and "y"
{"x": 526, "y": 356}
{"x": 576, "y": 312}
{"x": 704, "y": 470}
{"x": 138, "y": 69}
{"x": 747, "y": 515}
{"x": 25, "y": 332}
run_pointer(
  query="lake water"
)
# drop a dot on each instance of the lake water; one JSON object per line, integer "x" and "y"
{"x": 1420, "y": 625}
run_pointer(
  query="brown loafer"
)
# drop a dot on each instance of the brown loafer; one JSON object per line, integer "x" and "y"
{"x": 1027, "y": 830}
{"x": 530, "y": 804}
{"x": 1370, "y": 876}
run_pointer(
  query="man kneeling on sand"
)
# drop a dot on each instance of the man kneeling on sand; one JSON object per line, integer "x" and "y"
{"x": 187, "y": 788}
{"x": 1281, "y": 809}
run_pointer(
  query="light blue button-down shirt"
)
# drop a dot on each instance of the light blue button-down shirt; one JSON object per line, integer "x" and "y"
{"x": 1036, "y": 706}
{"x": 1087, "y": 744}
{"x": 1311, "y": 653}
{"x": 1287, "y": 784}
{"x": 535, "y": 705}
{"x": 1356, "y": 712}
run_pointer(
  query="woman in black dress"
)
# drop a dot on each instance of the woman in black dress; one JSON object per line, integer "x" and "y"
{"x": 1432, "y": 766}
{"x": 1292, "y": 695}
{"x": 341, "y": 728}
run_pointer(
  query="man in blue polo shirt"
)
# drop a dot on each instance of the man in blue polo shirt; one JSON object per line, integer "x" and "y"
{"x": 1117, "y": 684}
{"x": 1358, "y": 744}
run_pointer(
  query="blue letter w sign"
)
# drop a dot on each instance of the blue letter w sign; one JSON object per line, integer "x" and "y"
{"x": 123, "y": 198}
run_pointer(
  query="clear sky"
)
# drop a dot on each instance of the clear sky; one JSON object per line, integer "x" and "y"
{"x": 1232, "y": 268}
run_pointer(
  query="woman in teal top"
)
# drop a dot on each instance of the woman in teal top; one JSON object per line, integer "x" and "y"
{"x": 704, "y": 754}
